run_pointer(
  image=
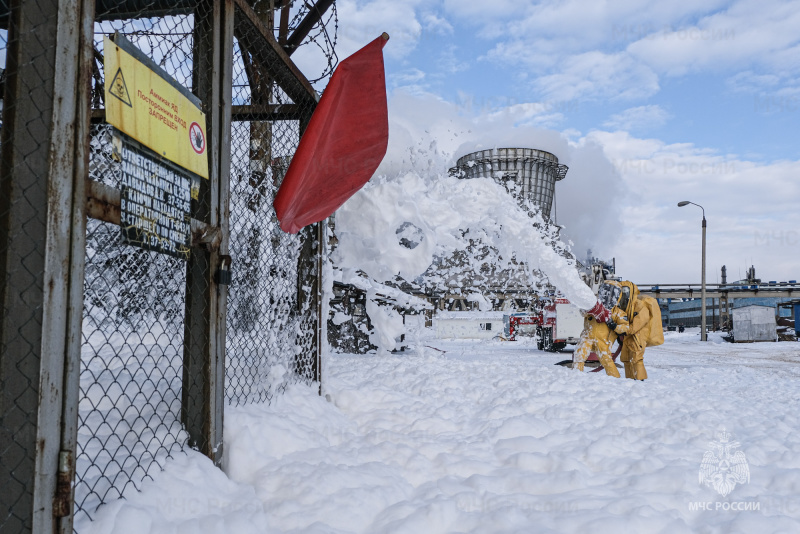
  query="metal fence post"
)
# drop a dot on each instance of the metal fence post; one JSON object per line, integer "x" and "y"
{"x": 309, "y": 268}
{"x": 322, "y": 320}
{"x": 38, "y": 173}
{"x": 224, "y": 162}
{"x": 203, "y": 369}
{"x": 72, "y": 367}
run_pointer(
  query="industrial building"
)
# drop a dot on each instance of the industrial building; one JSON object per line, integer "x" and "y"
{"x": 726, "y": 297}
{"x": 687, "y": 312}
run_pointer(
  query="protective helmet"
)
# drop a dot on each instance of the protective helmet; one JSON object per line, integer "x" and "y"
{"x": 608, "y": 294}
{"x": 622, "y": 294}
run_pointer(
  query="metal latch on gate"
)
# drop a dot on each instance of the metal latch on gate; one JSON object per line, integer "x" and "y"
{"x": 223, "y": 275}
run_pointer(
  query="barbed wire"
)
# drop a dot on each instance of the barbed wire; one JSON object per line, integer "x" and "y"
{"x": 320, "y": 36}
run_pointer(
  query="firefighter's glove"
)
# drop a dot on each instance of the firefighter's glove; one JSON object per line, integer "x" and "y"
{"x": 611, "y": 324}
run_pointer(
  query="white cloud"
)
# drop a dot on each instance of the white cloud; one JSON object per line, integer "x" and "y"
{"x": 433, "y": 24}
{"x": 539, "y": 114}
{"x": 751, "y": 210}
{"x": 641, "y": 40}
{"x": 407, "y": 77}
{"x": 545, "y": 33}
{"x": 579, "y": 49}
{"x": 748, "y": 33}
{"x": 772, "y": 93}
{"x": 448, "y": 61}
{"x": 361, "y": 22}
{"x": 596, "y": 75}
{"x": 750, "y": 82}
{"x": 651, "y": 116}
{"x": 478, "y": 11}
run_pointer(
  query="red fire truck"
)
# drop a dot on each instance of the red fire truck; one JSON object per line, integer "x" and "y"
{"x": 558, "y": 324}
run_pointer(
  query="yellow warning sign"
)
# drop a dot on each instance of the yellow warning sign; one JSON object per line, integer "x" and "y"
{"x": 147, "y": 107}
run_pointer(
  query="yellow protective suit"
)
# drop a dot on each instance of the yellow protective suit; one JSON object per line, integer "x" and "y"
{"x": 598, "y": 338}
{"x": 634, "y": 342}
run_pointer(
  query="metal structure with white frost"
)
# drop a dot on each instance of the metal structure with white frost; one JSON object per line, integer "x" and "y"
{"x": 528, "y": 173}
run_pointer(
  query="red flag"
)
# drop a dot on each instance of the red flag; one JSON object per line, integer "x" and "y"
{"x": 343, "y": 144}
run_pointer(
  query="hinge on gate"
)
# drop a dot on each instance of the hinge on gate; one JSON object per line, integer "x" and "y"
{"x": 62, "y": 503}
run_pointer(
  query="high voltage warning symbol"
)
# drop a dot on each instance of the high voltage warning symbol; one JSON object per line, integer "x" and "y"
{"x": 119, "y": 89}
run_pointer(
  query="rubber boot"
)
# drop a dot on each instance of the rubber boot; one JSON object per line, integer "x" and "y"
{"x": 633, "y": 360}
{"x": 639, "y": 372}
{"x": 608, "y": 365}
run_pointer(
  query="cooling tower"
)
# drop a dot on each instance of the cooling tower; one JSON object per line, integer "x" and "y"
{"x": 534, "y": 172}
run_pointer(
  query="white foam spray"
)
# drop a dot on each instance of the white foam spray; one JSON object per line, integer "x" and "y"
{"x": 397, "y": 226}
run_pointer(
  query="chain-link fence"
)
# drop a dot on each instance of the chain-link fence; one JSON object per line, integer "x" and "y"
{"x": 271, "y": 322}
{"x": 133, "y": 329}
{"x": 164, "y": 341}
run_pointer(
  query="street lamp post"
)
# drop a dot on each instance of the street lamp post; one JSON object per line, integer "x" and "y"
{"x": 703, "y": 335}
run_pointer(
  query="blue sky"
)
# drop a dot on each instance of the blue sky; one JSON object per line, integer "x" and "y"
{"x": 649, "y": 103}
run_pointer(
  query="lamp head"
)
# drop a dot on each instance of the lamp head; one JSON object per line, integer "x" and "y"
{"x": 683, "y": 203}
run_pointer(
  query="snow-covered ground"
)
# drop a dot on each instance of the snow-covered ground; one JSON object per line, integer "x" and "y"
{"x": 489, "y": 436}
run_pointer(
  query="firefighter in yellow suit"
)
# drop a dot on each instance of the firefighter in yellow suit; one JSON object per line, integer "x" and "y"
{"x": 635, "y": 332}
{"x": 630, "y": 320}
{"x": 597, "y": 337}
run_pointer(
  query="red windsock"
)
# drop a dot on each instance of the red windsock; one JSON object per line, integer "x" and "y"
{"x": 600, "y": 313}
{"x": 344, "y": 143}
